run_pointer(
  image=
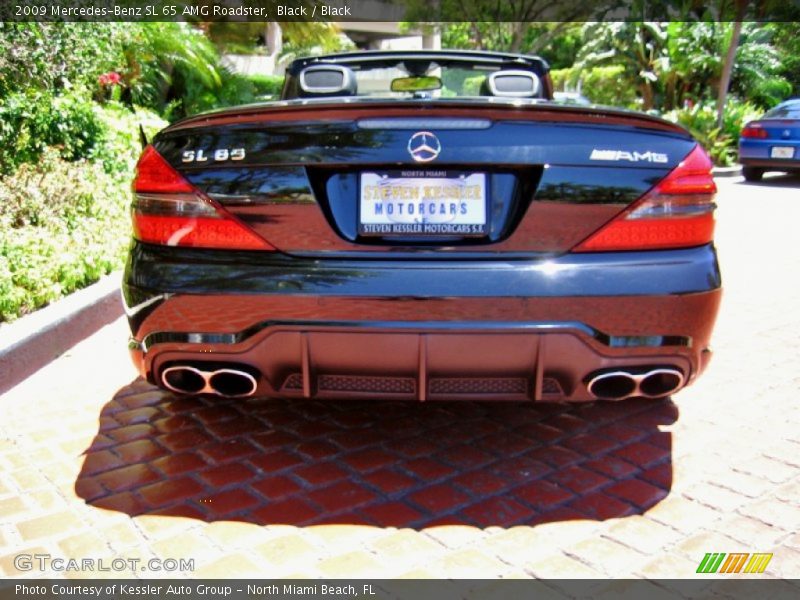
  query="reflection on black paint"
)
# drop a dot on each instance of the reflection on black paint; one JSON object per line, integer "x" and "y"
{"x": 596, "y": 185}
{"x": 254, "y": 185}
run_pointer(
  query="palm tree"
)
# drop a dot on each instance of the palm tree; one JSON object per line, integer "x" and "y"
{"x": 730, "y": 58}
{"x": 639, "y": 47}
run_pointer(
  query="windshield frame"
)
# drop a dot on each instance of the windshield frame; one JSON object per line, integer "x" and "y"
{"x": 420, "y": 62}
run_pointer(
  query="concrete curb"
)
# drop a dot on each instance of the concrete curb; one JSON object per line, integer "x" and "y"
{"x": 727, "y": 171}
{"x": 33, "y": 341}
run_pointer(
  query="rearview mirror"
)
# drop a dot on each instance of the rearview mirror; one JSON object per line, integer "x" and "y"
{"x": 416, "y": 84}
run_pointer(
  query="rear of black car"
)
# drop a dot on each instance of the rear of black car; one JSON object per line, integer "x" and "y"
{"x": 303, "y": 249}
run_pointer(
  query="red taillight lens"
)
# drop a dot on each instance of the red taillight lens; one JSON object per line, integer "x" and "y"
{"x": 755, "y": 130}
{"x": 154, "y": 174}
{"x": 170, "y": 211}
{"x": 676, "y": 213}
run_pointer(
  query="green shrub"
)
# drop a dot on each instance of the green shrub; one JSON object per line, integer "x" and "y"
{"x": 171, "y": 68}
{"x": 65, "y": 224}
{"x": 32, "y": 121}
{"x": 266, "y": 86}
{"x": 238, "y": 89}
{"x": 472, "y": 85}
{"x": 57, "y": 57}
{"x": 62, "y": 226}
{"x": 601, "y": 85}
{"x": 121, "y": 146}
{"x": 737, "y": 114}
{"x": 720, "y": 142}
{"x": 769, "y": 92}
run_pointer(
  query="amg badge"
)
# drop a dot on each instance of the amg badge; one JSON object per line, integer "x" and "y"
{"x": 619, "y": 155}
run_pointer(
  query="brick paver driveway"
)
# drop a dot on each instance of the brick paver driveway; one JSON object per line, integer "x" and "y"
{"x": 94, "y": 463}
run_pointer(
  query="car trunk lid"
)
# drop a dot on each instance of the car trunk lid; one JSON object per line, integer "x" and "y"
{"x": 296, "y": 173}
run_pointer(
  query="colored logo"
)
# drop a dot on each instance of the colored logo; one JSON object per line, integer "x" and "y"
{"x": 424, "y": 146}
{"x": 741, "y": 562}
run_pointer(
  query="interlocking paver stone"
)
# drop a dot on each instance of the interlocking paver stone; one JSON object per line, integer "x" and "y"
{"x": 500, "y": 511}
{"x": 392, "y": 514}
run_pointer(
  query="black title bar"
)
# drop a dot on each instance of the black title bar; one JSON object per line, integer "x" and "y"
{"x": 414, "y": 11}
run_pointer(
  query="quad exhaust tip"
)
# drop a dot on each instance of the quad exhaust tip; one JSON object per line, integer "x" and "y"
{"x": 228, "y": 382}
{"x": 620, "y": 384}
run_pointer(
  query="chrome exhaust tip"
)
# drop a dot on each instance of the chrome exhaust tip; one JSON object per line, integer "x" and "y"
{"x": 614, "y": 385}
{"x": 661, "y": 382}
{"x": 651, "y": 382}
{"x": 232, "y": 383}
{"x": 184, "y": 380}
{"x": 226, "y": 382}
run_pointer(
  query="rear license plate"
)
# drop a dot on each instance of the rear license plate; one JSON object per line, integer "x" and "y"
{"x": 781, "y": 152}
{"x": 419, "y": 202}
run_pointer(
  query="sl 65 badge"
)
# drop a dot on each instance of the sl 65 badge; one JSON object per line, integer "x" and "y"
{"x": 218, "y": 155}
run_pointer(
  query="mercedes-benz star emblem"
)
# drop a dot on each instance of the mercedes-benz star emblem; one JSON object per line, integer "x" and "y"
{"x": 424, "y": 146}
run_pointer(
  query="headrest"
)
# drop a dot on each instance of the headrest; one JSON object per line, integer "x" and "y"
{"x": 513, "y": 84}
{"x": 327, "y": 80}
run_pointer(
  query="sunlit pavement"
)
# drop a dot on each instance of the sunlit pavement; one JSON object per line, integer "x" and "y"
{"x": 94, "y": 463}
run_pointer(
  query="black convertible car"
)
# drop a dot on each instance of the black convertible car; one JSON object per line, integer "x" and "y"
{"x": 422, "y": 225}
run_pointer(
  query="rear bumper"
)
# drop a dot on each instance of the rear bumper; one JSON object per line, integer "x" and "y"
{"x": 756, "y": 153}
{"x": 422, "y": 329}
{"x": 771, "y": 163}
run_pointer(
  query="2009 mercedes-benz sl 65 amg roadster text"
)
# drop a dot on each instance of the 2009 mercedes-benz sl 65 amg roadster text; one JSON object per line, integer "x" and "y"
{"x": 422, "y": 225}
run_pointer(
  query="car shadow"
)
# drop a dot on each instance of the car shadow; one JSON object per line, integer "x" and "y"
{"x": 381, "y": 463}
{"x": 773, "y": 180}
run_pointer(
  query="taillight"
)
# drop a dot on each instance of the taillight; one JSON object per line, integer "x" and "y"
{"x": 676, "y": 213}
{"x": 754, "y": 130}
{"x": 170, "y": 211}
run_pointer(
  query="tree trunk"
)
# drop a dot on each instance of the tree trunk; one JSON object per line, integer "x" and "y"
{"x": 517, "y": 31}
{"x": 274, "y": 38}
{"x": 730, "y": 59}
{"x": 727, "y": 71}
{"x": 648, "y": 98}
{"x": 432, "y": 39}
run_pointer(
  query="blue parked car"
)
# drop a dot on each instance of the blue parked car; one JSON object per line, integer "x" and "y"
{"x": 772, "y": 143}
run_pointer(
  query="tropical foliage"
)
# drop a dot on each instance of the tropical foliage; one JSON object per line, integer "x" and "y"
{"x": 675, "y": 68}
{"x": 719, "y": 140}
{"x": 598, "y": 84}
{"x": 672, "y": 63}
{"x": 64, "y": 222}
{"x": 302, "y": 37}
{"x": 72, "y": 99}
